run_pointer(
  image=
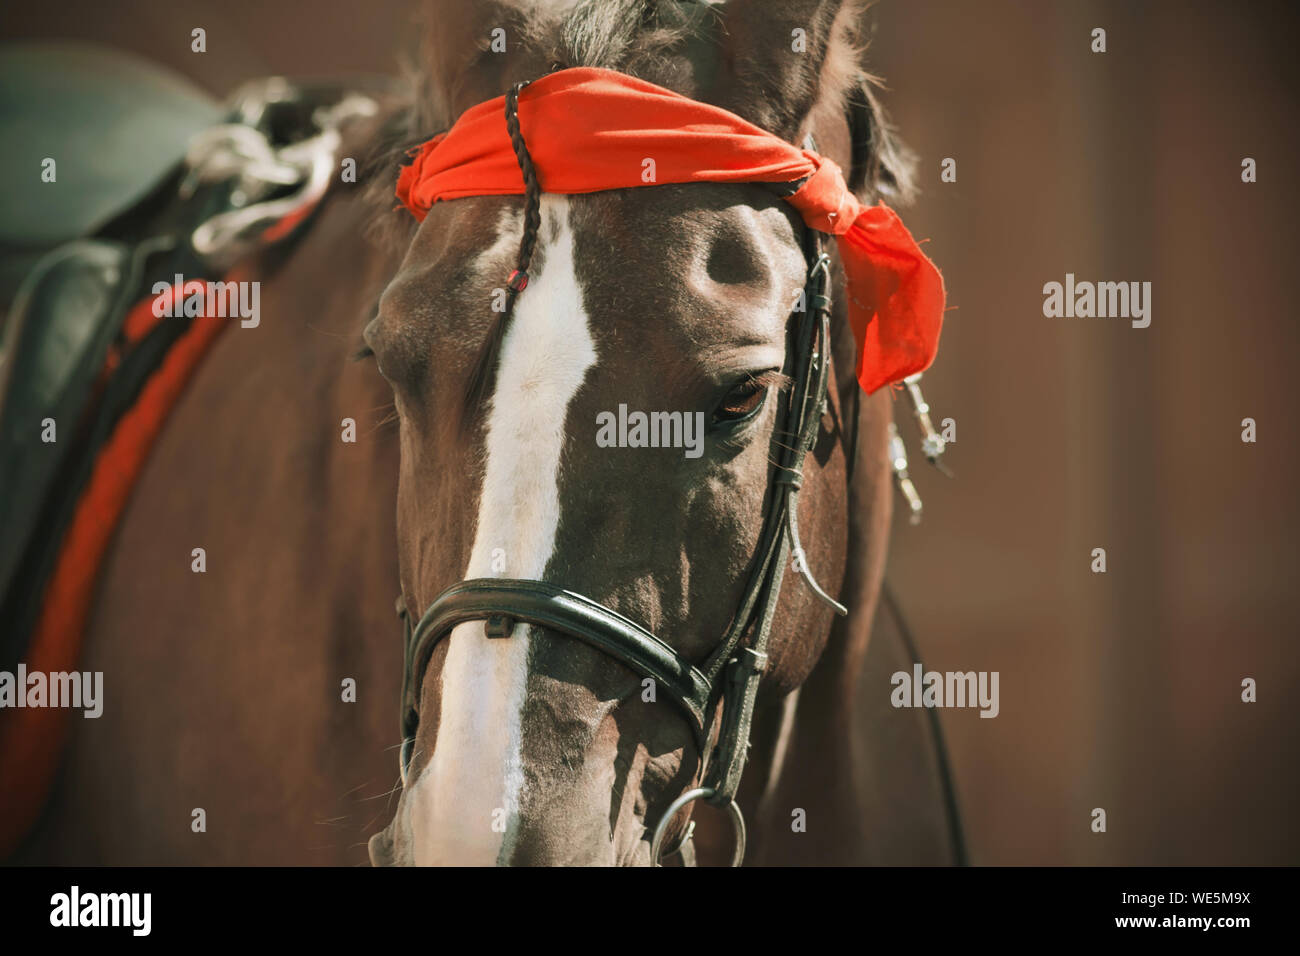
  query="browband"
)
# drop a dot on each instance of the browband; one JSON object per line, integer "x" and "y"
{"x": 590, "y": 130}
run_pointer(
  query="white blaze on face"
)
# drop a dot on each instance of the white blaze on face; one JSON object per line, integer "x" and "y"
{"x": 469, "y": 792}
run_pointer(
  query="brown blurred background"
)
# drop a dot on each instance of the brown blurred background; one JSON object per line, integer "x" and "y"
{"x": 1120, "y": 690}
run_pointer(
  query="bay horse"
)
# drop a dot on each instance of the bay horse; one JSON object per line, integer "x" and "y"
{"x": 224, "y": 686}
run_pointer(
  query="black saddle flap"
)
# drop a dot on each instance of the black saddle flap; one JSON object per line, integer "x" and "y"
{"x": 55, "y": 344}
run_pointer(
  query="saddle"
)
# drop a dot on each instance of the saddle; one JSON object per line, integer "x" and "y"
{"x": 88, "y": 133}
{"x": 152, "y": 179}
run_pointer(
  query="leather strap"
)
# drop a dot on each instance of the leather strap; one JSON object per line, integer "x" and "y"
{"x": 744, "y": 672}
{"x": 503, "y": 602}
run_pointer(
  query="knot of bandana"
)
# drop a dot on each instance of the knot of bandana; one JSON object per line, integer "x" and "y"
{"x": 589, "y": 130}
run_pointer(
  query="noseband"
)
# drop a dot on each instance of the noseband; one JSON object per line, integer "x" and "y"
{"x": 733, "y": 670}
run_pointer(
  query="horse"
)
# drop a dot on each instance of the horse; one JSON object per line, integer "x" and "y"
{"x": 477, "y": 458}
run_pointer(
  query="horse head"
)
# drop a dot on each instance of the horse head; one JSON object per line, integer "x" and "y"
{"x": 614, "y": 433}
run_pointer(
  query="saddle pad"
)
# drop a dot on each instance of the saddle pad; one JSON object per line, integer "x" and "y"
{"x": 32, "y": 738}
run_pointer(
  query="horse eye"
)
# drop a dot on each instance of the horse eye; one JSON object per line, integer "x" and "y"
{"x": 741, "y": 402}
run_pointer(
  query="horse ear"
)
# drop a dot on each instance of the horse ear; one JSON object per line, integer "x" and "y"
{"x": 782, "y": 60}
{"x": 469, "y": 49}
{"x": 882, "y": 165}
{"x": 773, "y": 56}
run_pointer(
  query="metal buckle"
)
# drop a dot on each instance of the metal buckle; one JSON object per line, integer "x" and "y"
{"x": 932, "y": 446}
{"x": 751, "y": 660}
{"x": 499, "y": 625}
{"x": 898, "y": 460}
{"x": 819, "y": 277}
{"x": 932, "y": 443}
{"x": 690, "y": 796}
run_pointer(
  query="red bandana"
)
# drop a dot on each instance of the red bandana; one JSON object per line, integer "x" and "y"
{"x": 589, "y": 130}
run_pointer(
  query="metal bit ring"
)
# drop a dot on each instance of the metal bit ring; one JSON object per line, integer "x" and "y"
{"x": 690, "y": 796}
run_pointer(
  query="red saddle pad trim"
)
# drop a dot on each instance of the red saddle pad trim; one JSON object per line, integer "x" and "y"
{"x": 32, "y": 738}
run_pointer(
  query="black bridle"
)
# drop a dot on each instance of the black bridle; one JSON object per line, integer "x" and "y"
{"x": 734, "y": 669}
